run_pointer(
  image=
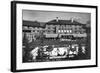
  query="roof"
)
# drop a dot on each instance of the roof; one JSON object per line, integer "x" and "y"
{"x": 54, "y": 22}
{"x": 32, "y": 23}
{"x": 64, "y": 22}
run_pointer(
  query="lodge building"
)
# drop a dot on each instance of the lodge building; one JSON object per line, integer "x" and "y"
{"x": 54, "y": 28}
{"x": 66, "y": 27}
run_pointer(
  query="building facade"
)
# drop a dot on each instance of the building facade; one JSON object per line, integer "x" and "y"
{"x": 54, "y": 29}
{"x": 67, "y": 27}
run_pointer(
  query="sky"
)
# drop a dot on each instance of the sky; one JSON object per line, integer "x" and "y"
{"x": 45, "y": 16}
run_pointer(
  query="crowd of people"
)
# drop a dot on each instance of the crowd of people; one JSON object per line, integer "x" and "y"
{"x": 50, "y": 52}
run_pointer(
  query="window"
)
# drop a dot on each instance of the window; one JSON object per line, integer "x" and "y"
{"x": 59, "y": 31}
{"x": 64, "y": 30}
{"x": 67, "y": 31}
{"x": 70, "y": 31}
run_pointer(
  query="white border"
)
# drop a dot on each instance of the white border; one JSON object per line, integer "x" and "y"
{"x": 21, "y": 66}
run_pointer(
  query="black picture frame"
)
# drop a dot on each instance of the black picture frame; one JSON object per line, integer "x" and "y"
{"x": 13, "y": 35}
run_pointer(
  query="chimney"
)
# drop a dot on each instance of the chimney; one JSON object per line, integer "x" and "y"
{"x": 72, "y": 19}
{"x": 57, "y": 19}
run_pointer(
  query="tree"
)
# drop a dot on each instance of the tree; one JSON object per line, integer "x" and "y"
{"x": 88, "y": 23}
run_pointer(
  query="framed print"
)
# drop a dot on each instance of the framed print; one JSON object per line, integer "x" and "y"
{"x": 47, "y": 36}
